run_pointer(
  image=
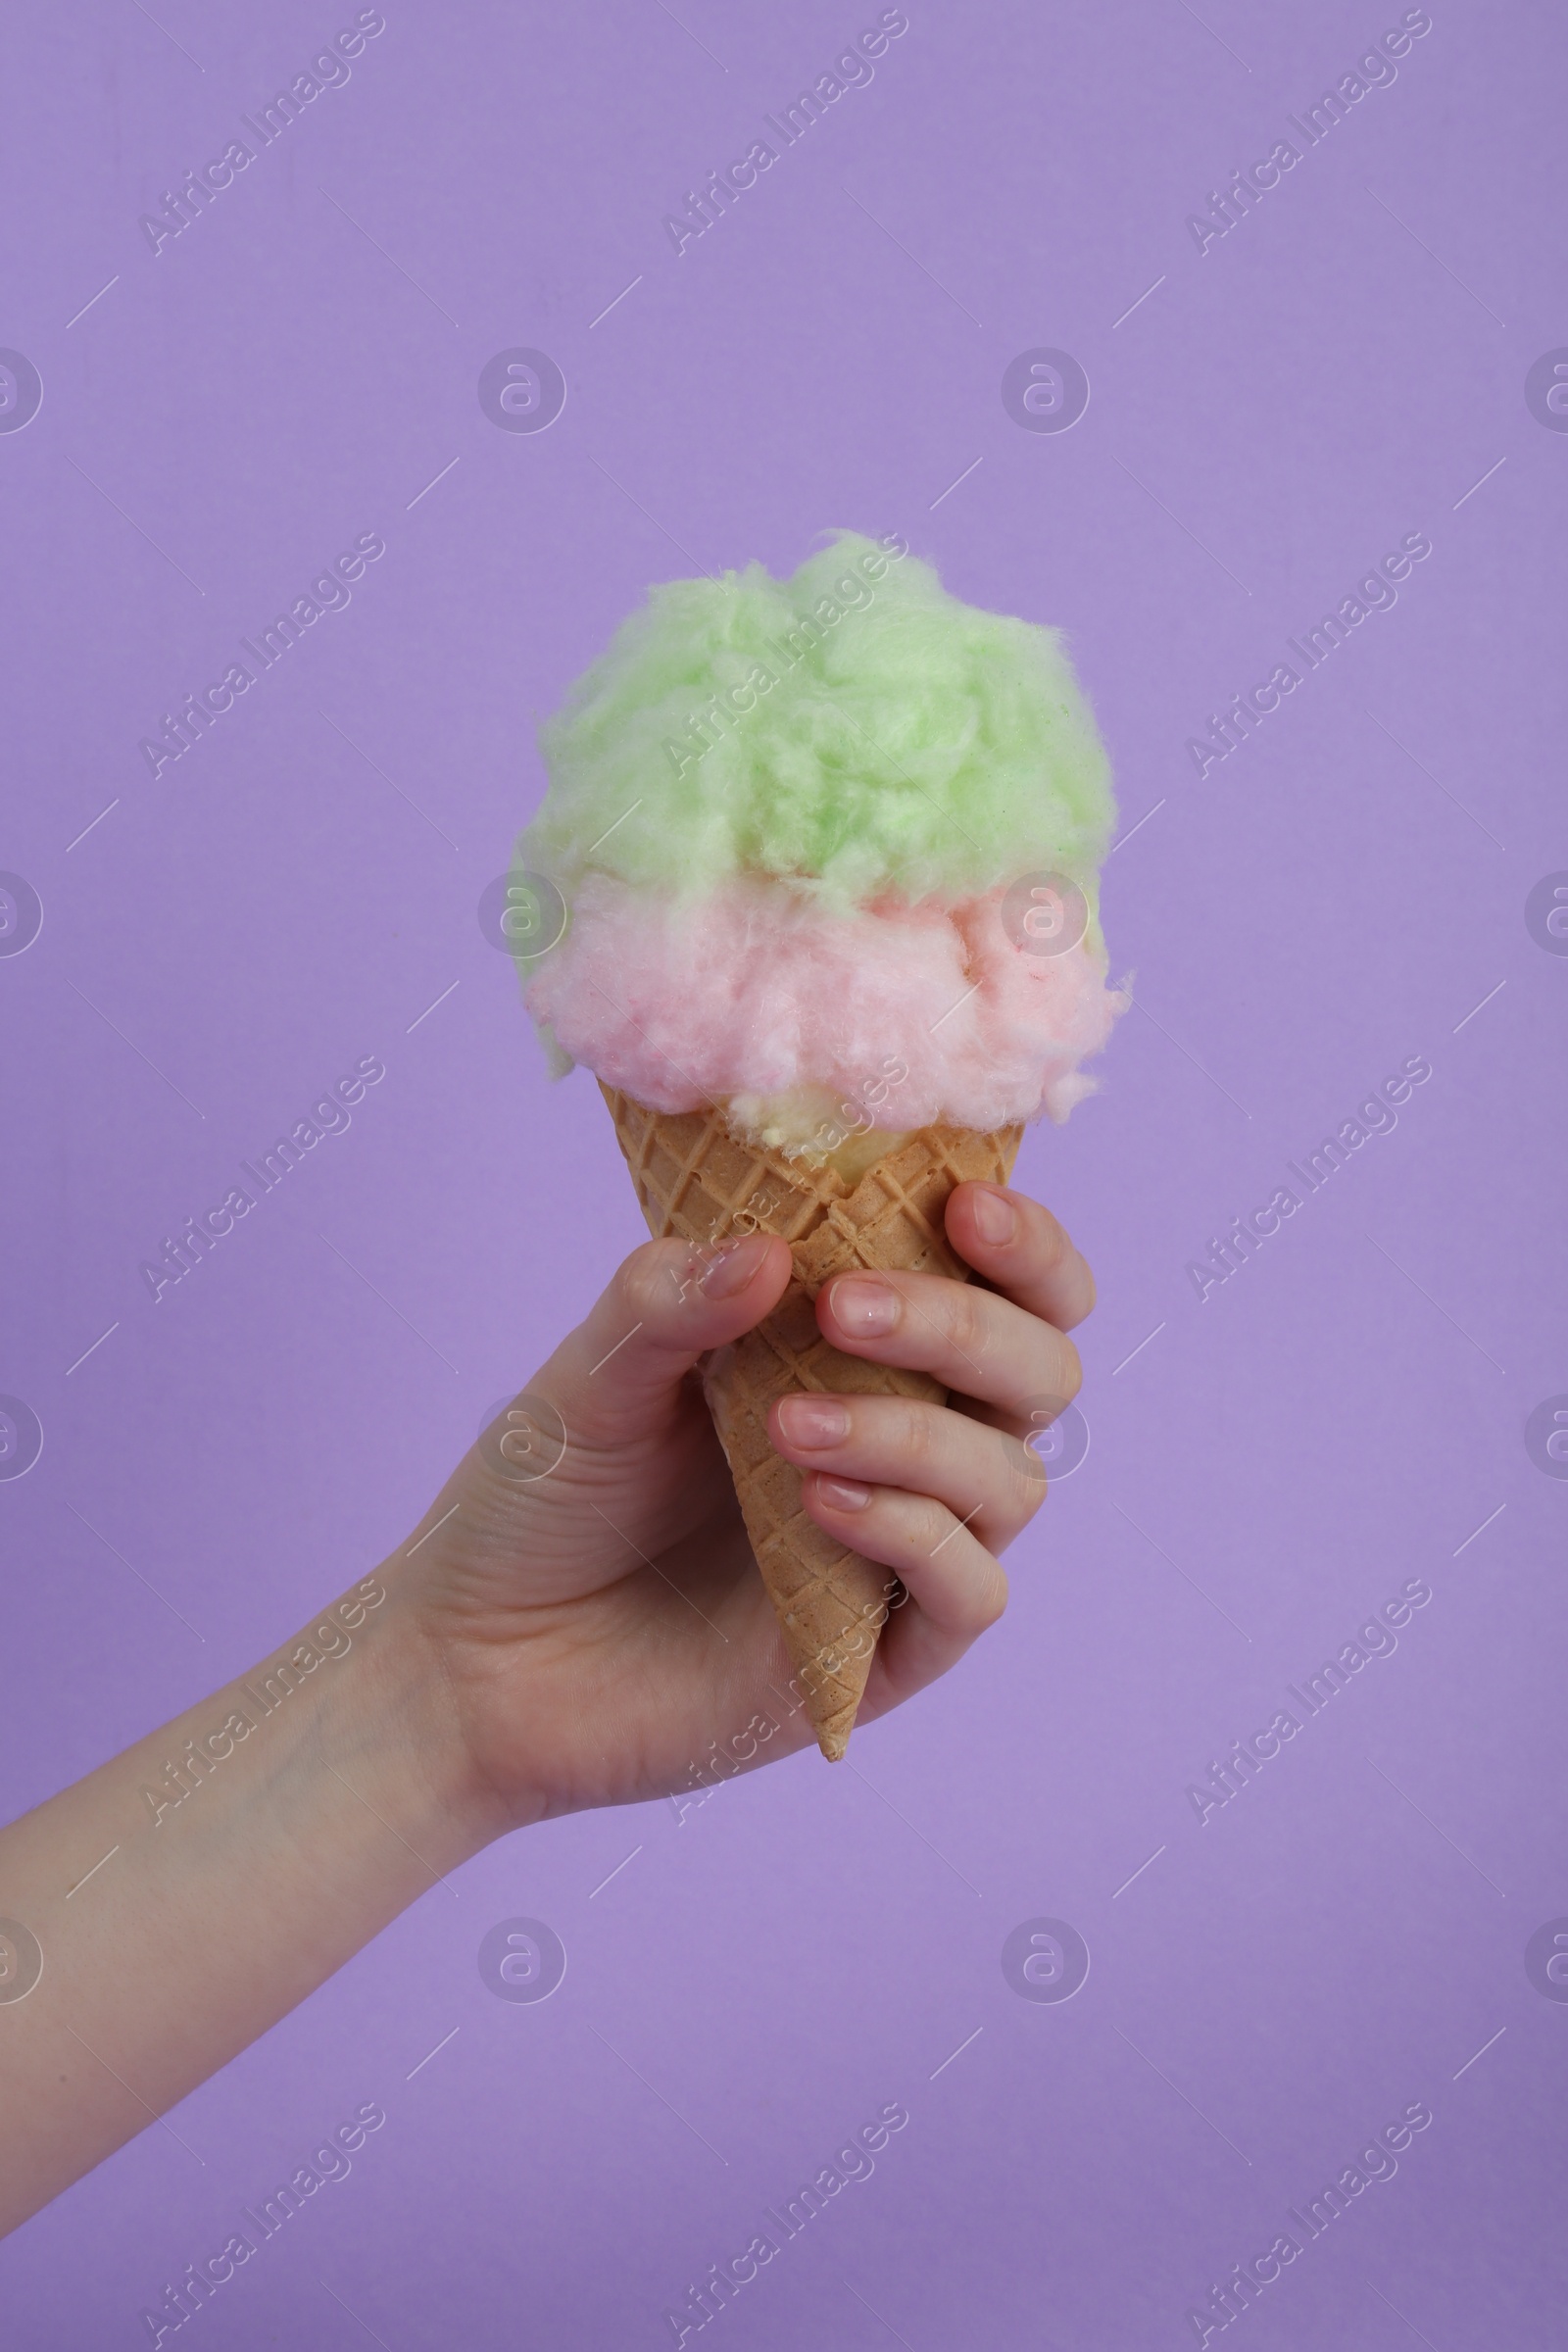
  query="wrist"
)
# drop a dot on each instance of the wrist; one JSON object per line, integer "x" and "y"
{"x": 405, "y": 1724}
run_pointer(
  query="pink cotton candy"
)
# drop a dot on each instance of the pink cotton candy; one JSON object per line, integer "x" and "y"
{"x": 757, "y": 991}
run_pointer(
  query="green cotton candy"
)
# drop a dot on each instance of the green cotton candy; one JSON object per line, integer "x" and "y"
{"x": 855, "y": 730}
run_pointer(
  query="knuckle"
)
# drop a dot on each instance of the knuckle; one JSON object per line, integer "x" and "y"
{"x": 993, "y": 1599}
{"x": 1052, "y": 1243}
{"x": 1056, "y": 1253}
{"x": 936, "y": 1528}
{"x": 967, "y": 1328}
{"x": 1026, "y": 1476}
{"x": 914, "y": 1436}
{"x": 921, "y": 1523}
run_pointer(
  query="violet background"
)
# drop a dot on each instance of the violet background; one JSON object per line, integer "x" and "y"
{"x": 1343, "y": 368}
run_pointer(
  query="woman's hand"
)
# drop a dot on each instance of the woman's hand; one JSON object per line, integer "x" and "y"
{"x": 585, "y": 1579}
{"x": 578, "y": 1621}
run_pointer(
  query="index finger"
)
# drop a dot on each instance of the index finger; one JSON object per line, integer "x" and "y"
{"x": 1021, "y": 1250}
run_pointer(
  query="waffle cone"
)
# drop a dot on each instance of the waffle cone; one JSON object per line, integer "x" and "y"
{"x": 696, "y": 1179}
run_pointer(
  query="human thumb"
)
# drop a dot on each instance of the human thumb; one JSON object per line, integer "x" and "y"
{"x": 620, "y": 1375}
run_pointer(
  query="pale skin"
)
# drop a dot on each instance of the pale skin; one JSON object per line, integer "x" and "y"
{"x": 537, "y": 1648}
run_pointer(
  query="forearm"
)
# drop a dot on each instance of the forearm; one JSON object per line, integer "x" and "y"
{"x": 190, "y": 1893}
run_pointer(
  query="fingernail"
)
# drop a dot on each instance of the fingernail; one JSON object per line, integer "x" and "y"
{"x": 734, "y": 1266}
{"x": 813, "y": 1420}
{"x": 995, "y": 1215}
{"x": 867, "y": 1308}
{"x": 843, "y": 1495}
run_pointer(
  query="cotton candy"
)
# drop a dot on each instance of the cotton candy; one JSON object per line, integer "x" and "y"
{"x": 855, "y": 729}
{"x": 760, "y": 993}
{"x": 794, "y": 823}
